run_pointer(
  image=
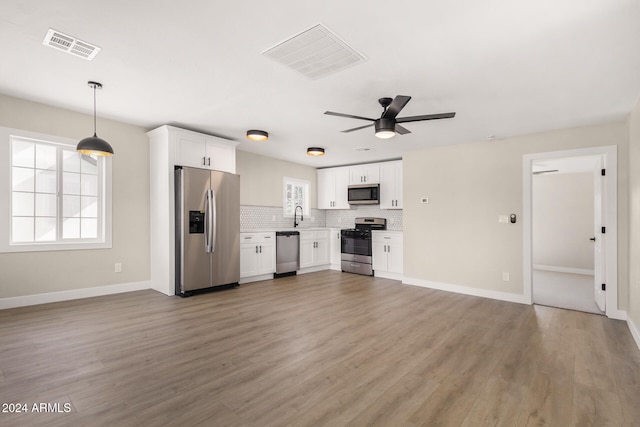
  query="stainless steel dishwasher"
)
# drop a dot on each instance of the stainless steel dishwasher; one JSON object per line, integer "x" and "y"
{"x": 287, "y": 253}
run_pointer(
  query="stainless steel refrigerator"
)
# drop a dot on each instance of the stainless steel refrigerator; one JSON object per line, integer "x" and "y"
{"x": 207, "y": 230}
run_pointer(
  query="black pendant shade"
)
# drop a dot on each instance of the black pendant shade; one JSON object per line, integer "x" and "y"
{"x": 93, "y": 144}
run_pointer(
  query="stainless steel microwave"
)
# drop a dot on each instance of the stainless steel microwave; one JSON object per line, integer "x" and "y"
{"x": 364, "y": 194}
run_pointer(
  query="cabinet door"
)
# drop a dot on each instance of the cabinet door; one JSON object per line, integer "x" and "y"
{"x": 334, "y": 246}
{"x": 340, "y": 200}
{"x": 220, "y": 156}
{"x": 326, "y": 188}
{"x": 391, "y": 185}
{"x": 379, "y": 253}
{"x": 394, "y": 256}
{"x": 356, "y": 175}
{"x": 266, "y": 258}
{"x": 248, "y": 260}
{"x": 190, "y": 150}
{"x": 387, "y": 186}
{"x": 322, "y": 251}
{"x": 399, "y": 184}
{"x": 307, "y": 250}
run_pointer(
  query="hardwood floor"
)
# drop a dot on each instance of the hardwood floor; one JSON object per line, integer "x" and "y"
{"x": 325, "y": 349}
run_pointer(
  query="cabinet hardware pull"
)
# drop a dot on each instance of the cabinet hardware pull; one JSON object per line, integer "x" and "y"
{"x": 204, "y": 161}
{"x": 256, "y": 249}
{"x": 260, "y": 248}
{"x": 209, "y": 161}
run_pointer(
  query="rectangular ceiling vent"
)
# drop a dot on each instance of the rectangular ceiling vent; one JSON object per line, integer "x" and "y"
{"x": 70, "y": 44}
{"x": 316, "y": 52}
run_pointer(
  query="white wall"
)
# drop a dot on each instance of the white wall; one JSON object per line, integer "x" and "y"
{"x": 33, "y": 273}
{"x": 456, "y": 240}
{"x": 562, "y": 220}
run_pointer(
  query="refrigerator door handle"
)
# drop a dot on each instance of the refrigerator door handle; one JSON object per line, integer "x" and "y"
{"x": 210, "y": 221}
{"x": 213, "y": 229}
{"x": 207, "y": 225}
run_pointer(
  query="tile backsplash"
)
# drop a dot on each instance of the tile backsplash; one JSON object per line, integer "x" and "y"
{"x": 270, "y": 217}
{"x": 345, "y": 218}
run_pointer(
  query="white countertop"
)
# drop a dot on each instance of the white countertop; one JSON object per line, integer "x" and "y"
{"x": 273, "y": 230}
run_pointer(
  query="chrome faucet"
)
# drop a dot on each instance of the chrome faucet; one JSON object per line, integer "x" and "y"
{"x": 295, "y": 216}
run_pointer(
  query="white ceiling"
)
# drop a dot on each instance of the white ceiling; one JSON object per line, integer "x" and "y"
{"x": 506, "y": 67}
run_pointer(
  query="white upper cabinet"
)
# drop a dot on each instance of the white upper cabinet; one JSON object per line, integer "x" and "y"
{"x": 364, "y": 174}
{"x": 333, "y": 184}
{"x": 204, "y": 151}
{"x": 391, "y": 185}
{"x": 332, "y": 188}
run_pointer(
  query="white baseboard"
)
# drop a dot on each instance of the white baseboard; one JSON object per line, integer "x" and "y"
{"x": 313, "y": 269}
{"x": 258, "y": 278}
{"x": 563, "y": 269}
{"x": 25, "y": 300}
{"x": 635, "y": 332}
{"x": 387, "y": 275}
{"x": 466, "y": 290}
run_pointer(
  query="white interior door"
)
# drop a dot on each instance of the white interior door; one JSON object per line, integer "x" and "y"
{"x": 599, "y": 272}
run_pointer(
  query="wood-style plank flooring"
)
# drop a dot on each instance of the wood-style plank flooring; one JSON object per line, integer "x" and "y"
{"x": 325, "y": 349}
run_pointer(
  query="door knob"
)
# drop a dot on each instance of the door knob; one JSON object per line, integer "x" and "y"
{"x": 593, "y": 239}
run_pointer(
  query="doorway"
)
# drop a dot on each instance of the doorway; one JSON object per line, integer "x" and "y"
{"x": 570, "y": 261}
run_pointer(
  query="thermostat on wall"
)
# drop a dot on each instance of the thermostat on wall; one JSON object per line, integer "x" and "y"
{"x": 424, "y": 200}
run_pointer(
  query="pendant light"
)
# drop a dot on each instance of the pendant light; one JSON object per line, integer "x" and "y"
{"x": 93, "y": 144}
{"x": 257, "y": 135}
{"x": 315, "y": 151}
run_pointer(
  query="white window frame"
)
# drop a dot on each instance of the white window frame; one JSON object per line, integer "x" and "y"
{"x": 104, "y": 239}
{"x": 306, "y": 186}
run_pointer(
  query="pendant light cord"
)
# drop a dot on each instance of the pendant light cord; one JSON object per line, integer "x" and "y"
{"x": 95, "y": 131}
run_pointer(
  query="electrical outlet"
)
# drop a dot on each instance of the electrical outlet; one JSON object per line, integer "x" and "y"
{"x": 505, "y": 276}
{"x": 503, "y": 219}
{"x": 118, "y": 267}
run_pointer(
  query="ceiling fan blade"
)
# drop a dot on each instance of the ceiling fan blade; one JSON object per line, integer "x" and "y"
{"x": 331, "y": 113}
{"x": 402, "y": 130}
{"x": 396, "y": 106}
{"x": 426, "y": 117}
{"x": 358, "y": 128}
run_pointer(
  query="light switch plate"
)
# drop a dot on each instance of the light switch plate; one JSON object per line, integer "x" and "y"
{"x": 503, "y": 219}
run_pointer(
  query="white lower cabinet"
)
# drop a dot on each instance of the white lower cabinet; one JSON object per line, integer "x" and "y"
{"x": 387, "y": 254}
{"x": 314, "y": 248}
{"x": 335, "y": 249}
{"x": 257, "y": 255}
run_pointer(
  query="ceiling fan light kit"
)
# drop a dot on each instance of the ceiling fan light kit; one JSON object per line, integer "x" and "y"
{"x": 385, "y": 128}
{"x": 93, "y": 144}
{"x": 257, "y": 135}
{"x": 315, "y": 151}
{"x": 388, "y": 125}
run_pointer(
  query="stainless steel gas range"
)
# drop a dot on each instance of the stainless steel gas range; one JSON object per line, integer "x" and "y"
{"x": 356, "y": 245}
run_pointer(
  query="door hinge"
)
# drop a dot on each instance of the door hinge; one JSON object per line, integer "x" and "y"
{"x": 604, "y": 286}
{"x": 604, "y": 230}
{"x": 603, "y": 172}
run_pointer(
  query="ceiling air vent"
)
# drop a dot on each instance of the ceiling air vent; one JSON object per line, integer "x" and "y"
{"x": 70, "y": 44}
{"x": 316, "y": 52}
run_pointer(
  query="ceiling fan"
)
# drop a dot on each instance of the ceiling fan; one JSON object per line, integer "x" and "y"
{"x": 387, "y": 125}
